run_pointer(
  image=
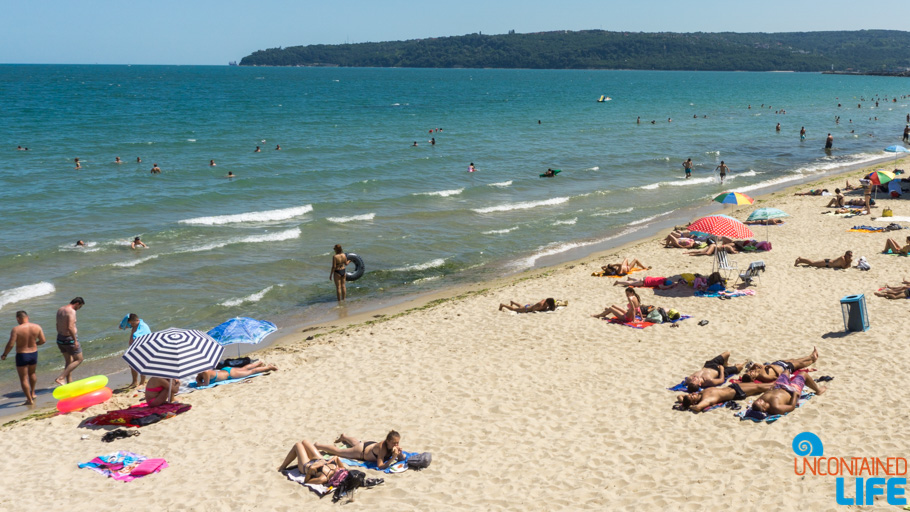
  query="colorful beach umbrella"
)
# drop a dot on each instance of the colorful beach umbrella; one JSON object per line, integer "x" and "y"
{"x": 767, "y": 213}
{"x": 721, "y": 225}
{"x": 879, "y": 177}
{"x": 173, "y": 353}
{"x": 734, "y": 198}
{"x": 242, "y": 330}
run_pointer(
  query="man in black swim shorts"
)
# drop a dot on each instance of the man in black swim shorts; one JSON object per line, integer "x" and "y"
{"x": 26, "y": 337}
{"x": 67, "y": 341}
{"x": 714, "y": 373}
{"x": 701, "y": 400}
{"x": 769, "y": 372}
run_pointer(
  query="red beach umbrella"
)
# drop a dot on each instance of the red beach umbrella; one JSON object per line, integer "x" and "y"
{"x": 721, "y": 225}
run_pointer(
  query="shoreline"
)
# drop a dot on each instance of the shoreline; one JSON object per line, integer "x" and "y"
{"x": 301, "y": 330}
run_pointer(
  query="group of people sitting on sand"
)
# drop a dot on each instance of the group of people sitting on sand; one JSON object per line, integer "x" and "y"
{"x": 318, "y": 470}
{"x": 779, "y": 384}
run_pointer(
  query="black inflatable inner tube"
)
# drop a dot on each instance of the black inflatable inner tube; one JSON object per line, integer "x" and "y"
{"x": 359, "y": 267}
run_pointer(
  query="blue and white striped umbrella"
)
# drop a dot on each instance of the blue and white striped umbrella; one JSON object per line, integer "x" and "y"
{"x": 173, "y": 353}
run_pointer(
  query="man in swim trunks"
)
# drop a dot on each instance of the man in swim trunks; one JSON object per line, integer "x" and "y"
{"x": 769, "y": 372}
{"x": 839, "y": 262}
{"x": 723, "y": 170}
{"x": 829, "y": 142}
{"x": 338, "y": 274}
{"x": 67, "y": 341}
{"x": 802, "y": 133}
{"x": 26, "y": 337}
{"x": 714, "y": 373}
{"x": 701, "y": 400}
{"x": 687, "y": 165}
{"x": 783, "y": 397}
{"x": 384, "y": 454}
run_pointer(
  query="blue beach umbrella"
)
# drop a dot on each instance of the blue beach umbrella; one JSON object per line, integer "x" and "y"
{"x": 896, "y": 149}
{"x": 766, "y": 214}
{"x": 242, "y": 330}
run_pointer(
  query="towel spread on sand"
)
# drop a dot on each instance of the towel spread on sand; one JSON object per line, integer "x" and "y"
{"x": 891, "y": 219}
{"x": 398, "y": 467}
{"x": 193, "y": 385}
{"x": 124, "y": 466}
{"x": 874, "y": 229}
{"x": 295, "y": 476}
{"x": 758, "y": 417}
{"x": 600, "y": 273}
{"x": 682, "y": 385}
{"x": 139, "y": 415}
{"x": 729, "y": 295}
{"x": 644, "y": 324}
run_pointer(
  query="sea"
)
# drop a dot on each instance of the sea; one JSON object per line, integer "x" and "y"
{"x": 356, "y": 167}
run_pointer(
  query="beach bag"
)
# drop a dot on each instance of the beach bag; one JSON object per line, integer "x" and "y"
{"x": 673, "y": 315}
{"x": 764, "y": 246}
{"x": 235, "y": 363}
{"x": 351, "y": 481}
{"x": 887, "y": 212}
{"x": 646, "y": 310}
{"x": 716, "y": 278}
{"x": 700, "y": 283}
{"x": 654, "y": 317}
{"x": 862, "y": 264}
{"x": 337, "y": 477}
{"x": 664, "y": 316}
{"x": 420, "y": 461}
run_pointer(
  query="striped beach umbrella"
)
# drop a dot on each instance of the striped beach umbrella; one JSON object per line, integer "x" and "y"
{"x": 734, "y": 198}
{"x": 721, "y": 225}
{"x": 173, "y": 353}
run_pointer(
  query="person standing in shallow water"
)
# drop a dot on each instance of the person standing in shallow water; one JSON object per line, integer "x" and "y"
{"x": 687, "y": 165}
{"x": 723, "y": 170}
{"x": 338, "y": 274}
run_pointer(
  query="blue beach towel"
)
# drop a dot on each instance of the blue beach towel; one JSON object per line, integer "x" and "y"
{"x": 759, "y": 417}
{"x": 193, "y": 385}
{"x": 398, "y": 467}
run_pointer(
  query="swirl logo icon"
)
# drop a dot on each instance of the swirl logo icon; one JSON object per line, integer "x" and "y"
{"x": 807, "y": 444}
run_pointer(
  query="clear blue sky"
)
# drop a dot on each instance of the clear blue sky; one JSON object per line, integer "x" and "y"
{"x": 217, "y": 31}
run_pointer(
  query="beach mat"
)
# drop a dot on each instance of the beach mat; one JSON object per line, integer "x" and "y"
{"x": 295, "y": 476}
{"x": 398, "y": 467}
{"x": 724, "y": 294}
{"x": 139, "y": 415}
{"x": 643, "y": 324}
{"x": 759, "y": 417}
{"x": 124, "y": 466}
{"x": 193, "y": 385}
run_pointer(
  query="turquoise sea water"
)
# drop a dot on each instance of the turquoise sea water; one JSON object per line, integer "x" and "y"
{"x": 259, "y": 244}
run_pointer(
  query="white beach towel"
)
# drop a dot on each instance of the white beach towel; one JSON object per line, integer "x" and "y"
{"x": 295, "y": 476}
{"x": 891, "y": 219}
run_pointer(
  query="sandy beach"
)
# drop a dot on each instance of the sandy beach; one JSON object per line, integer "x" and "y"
{"x": 547, "y": 411}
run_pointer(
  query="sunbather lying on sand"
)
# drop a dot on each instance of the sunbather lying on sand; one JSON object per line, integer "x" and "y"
{"x": 769, "y": 372}
{"x": 837, "y": 201}
{"x": 156, "y": 391}
{"x": 895, "y": 292}
{"x": 782, "y": 398}
{"x": 548, "y": 304}
{"x": 623, "y": 268}
{"x": 212, "y": 376}
{"x": 839, "y": 262}
{"x": 701, "y": 400}
{"x": 679, "y": 241}
{"x": 813, "y": 192}
{"x": 632, "y": 311}
{"x": 310, "y": 463}
{"x": 859, "y": 202}
{"x": 712, "y": 248}
{"x": 764, "y": 222}
{"x": 894, "y": 247}
{"x": 384, "y": 454}
{"x": 660, "y": 283}
{"x": 714, "y": 373}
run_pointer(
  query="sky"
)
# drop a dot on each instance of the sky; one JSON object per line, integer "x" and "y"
{"x": 213, "y": 32}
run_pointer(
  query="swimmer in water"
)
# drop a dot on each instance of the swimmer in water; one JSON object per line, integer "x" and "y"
{"x": 802, "y": 133}
{"x": 471, "y": 167}
{"x": 212, "y": 163}
{"x": 277, "y": 147}
{"x": 137, "y": 243}
{"x": 19, "y": 148}
{"x": 433, "y": 141}
{"x": 257, "y": 150}
{"x": 156, "y": 169}
{"x": 778, "y": 127}
{"x": 78, "y": 165}
{"x": 117, "y": 160}
{"x": 80, "y": 243}
{"x": 138, "y": 160}
{"x": 230, "y": 175}
{"x": 414, "y": 145}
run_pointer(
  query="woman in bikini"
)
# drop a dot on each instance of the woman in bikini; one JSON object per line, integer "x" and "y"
{"x": 892, "y": 247}
{"x": 623, "y": 268}
{"x": 212, "y": 376}
{"x": 310, "y": 463}
{"x": 384, "y": 453}
{"x": 338, "y": 274}
{"x": 630, "y": 314}
{"x": 156, "y": 391}
{"x": 548, "y": 304}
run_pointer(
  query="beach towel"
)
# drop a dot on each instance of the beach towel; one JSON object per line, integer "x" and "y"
{"x": 398, "y": 467}
{"x": 295, "y": 476}
{"x": 725, "y": 294}
{"x": 600, "y": 273}
{"x": 682, "y": 385}
{"x": 645, "y": 324}
{"x": 193, "y": 385}
{"x": 874, "y": 229}
{"x": 124, "y": 466}
{"x": 139, "y": 415}
{"x": 891, "y": 219}
{"x": 758, "y": 417}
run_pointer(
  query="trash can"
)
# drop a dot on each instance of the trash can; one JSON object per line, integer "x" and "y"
{"x": 853, "y": 308}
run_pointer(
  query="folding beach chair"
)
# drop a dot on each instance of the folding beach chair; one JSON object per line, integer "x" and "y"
{"x": 723, "y": 265}
{"x": 753, "y": 272}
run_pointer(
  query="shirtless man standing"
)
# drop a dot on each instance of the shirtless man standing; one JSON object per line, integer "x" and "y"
{"x": 714, "y": 373}
{"x": 769, "y": 372}
{"x": 701, "y": 400}
{"x": 338, "y": 274}
{"x": 783, "y": 397}
{"x": 26, "y": 336}
{"x": 723, "y": 170}
{"x": 67, "y": 341}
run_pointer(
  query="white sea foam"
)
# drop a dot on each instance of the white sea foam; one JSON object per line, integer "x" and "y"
{"x": 560, "y": 247}
{"x": 521, "y": 206}
{"x": 266, "y": 216}
{"x": 595, "y": 168}
{"x": 133, "y": 263}
{"x": 88, "y": 247}
{"x": 612, "y": 212}
{"x": 501, "y": 184}
{"x": 26, "y": 292}
{"x": 277, "y": 236}
{"x": 425, "y": 279}
{"x": 500, "y": 231}
{"x": 647, "y": 219}
{"x": 421, "y": 266}
{"x": 441, "y": 193}
{"x": 353, "y": 218}
{"x": 256, "y": 297}
{"x": 568, "y": 222}
{"x": 191, "y": 140}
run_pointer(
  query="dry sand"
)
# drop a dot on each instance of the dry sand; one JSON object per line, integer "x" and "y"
{"x": 555, "y": 411}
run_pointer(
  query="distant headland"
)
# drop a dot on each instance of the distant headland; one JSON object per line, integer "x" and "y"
{"x": 854, "y": 52}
